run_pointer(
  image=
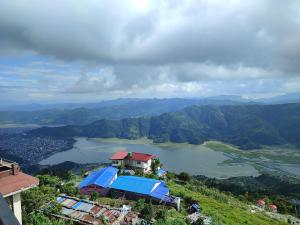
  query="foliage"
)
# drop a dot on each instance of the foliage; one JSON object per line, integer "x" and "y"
{"x": 69, "y": 189}
{"x": 147, "y": 212}
{"x": 247, "y": 126}
{"x": 41, "y": 219}
{"x": 273, "y": 189}
{"x": 161, "y": 214}
{"x": 154, "y": 165}
{"x": 94, "y": 196}
{"x": 33, "y": 199}
{"x": 200, "y": 221}
{"x": 224, "y": 209}
{"x": 50, "y": 180}
{"x": 184, "y": 177}
{"x": 140, "y": 205}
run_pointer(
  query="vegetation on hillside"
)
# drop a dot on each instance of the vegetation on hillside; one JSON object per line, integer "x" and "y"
{"x": 116, "y": 109}
{"x": 221, "y": 207}
{"x": 246, "y": 126}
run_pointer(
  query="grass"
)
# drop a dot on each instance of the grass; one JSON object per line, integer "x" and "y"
{"x": 284, "y": 154}
{"x": 223, "y": 209}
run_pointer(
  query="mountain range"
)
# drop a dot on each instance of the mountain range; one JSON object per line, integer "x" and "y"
{"x": 247, "y": 126}
{"x": 115, "y": 109}
{"x": 84, "y": 113}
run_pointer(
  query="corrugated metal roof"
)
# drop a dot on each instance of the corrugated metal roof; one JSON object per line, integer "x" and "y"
{"x": 161, "y": 172}
{"x": 135, "y": 184}
{"x": 83, "y": 206}
{"x": 160, "y": 192}
{"x": 102, "y": 177}
{"x": 89, "y": 212}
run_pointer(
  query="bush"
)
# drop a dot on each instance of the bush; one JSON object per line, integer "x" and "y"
{"x": 147, "y": 212}
{"x": 94, "y": 196}
{"x": 140, "y": 205}
{"x": 184, "y": 177}
{"x": 161, "y": 214}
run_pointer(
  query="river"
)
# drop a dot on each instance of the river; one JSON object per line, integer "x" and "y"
{"x": 196, "y": 160}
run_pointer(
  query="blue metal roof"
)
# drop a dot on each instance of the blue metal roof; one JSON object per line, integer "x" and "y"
{"x": 160, "y": 192}
{"x": 135, "y": 184}
{"x": 102, "y": 177}
{"x": 161, "y": 172}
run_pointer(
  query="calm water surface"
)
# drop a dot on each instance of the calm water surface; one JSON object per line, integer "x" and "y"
{"x": 196, "y": 160}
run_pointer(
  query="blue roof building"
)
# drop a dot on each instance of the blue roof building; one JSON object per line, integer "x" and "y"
{"x": 99, "y": 180}
{"x": 141, "y": 186}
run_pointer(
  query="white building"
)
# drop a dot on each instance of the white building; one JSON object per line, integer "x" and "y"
{"x": 12, "y": 183}
{"x": 133, "y": 160}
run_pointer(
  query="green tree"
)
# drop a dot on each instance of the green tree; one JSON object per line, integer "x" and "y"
{"x": 184, "y": 177}
{"x": 140, "y": 205}
{"x": 35, "y": 198}
{"x": 147, "y": 212}
{"x": 41, "y": 219}
{"x": 154, "y": 165}
{"x": 69, "y": 189}
{"x": 94, "y": 196}
{"x": 161, "y": 214}
{"x": 50, "y": 180}
{"x": 200, "y": 221}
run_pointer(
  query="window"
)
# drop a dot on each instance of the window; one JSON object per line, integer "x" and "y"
{"x": 139, "y": 162}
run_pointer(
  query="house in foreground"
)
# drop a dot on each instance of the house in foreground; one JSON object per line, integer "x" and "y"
{"x": 99, "y": 181}
{"x": 133, "y": 160}
{"x": 12, "y": 183}
{"x": 133, "y": 187}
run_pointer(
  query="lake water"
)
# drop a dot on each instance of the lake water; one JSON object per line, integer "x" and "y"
{"x": 196, "y": 160}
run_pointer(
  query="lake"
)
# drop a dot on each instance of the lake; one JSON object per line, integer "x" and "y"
{"x": 196, "y": 160}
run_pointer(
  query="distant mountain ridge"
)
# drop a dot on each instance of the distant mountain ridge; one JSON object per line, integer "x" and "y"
{"x": 280, "y": 99}
{"x": 247, "y": 126}
{"x": 116, "y": 109}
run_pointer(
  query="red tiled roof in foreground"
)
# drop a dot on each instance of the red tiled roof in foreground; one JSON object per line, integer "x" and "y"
{"x": 119, "y": 155}
{"x": 141, "y": 156}
{"x": 15, "y": 183}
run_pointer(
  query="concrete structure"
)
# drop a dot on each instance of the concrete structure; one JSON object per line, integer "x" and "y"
{"x": 133, "y": 160}
{"x": 12, "y": 183}
{"x": 7, "y": 217}
{"x": 99, "y": 181}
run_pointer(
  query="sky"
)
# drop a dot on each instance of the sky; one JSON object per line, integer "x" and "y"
{"x": 86, "y": 51}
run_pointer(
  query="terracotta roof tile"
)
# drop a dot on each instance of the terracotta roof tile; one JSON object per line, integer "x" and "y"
{"x": 119, "y": 155}
{"x": 14, "y": 183}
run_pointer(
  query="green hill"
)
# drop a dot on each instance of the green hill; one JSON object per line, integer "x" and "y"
{"x": 247, "y": 126}
{"x": 224, "y": 209}
{"x": 115, "y": 109}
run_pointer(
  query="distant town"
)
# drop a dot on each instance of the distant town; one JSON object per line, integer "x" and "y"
{"x": 29, "y": 150}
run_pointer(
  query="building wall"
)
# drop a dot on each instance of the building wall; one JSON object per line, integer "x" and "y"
{"x": 116, "y": 163}
{"x": 88, "y": 190}
{"x": 135, "y": 164}
{"x": 144, "y": 166}
{"x": 17, "y": 207}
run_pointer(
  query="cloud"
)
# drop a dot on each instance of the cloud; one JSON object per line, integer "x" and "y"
{"x": 142, "y": 47}
{"x": 251, "y": 33}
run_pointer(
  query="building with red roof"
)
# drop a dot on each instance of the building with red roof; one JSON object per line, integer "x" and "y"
{"x": 12, "y": 183}
{"x": 273, "y": 208}
{"x": 261, "y": 203}
{"x": 133, "y": 160}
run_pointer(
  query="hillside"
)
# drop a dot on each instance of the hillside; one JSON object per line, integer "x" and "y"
{"x": 115, "y": 109}
{"x": 247, "y": 126}
{"x": 222, "y": 208}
